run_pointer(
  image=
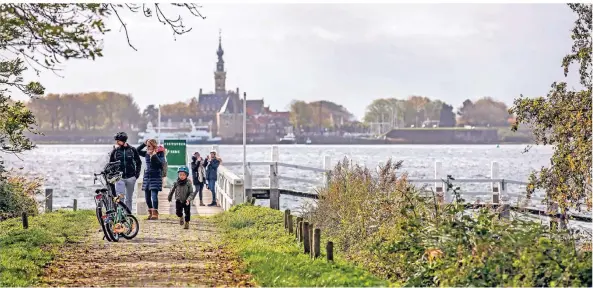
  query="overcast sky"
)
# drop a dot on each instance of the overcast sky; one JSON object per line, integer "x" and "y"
{"x": 346, "y": 53}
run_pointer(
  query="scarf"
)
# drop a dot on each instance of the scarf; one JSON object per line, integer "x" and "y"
{"x": 201, "y": 173}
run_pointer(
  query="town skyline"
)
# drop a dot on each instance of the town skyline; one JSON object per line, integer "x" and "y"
{"x": 278, "y": 73}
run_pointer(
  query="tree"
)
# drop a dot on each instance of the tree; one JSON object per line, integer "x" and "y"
{"x": 446, "y": 117}
{"x": 484, "y": 112}
{"x": 384, "y": 110}
{"x": 44, "y": 35}
{"x": 301, "y": 114}
{"x": 563, "y": 119}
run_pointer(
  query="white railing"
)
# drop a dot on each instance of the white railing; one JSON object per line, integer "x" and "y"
{"x": 229, "y": 188}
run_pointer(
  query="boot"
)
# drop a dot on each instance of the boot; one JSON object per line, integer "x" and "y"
{"x": 186, "y": 225}
{"x": 149, "y": 214}
{"x": 155, "y": 214}
{"x": 202, "y": 203}
{"x": 181, "y": 222}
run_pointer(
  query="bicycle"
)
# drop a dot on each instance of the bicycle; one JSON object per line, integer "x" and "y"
{"x": 113, "y": 215}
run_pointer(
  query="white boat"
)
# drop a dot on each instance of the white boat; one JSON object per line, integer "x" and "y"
{"x": 197, "y": 135}
{"x": 288, "y": 139}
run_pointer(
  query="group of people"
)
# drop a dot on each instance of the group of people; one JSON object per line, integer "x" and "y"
{"x": 203, "y": 172}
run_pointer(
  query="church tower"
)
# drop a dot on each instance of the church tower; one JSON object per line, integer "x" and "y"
{"x": 219, "y": 74}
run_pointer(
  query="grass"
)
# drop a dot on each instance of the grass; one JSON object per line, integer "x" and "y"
{"x": 24, "y": 253}
{"x": 274, "y": 258}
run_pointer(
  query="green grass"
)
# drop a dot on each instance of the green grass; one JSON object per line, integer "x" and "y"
{"x": 24, "y": 253}
{"x": 275, "y": 258}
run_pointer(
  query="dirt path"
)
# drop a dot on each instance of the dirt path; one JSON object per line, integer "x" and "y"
{"x": 163, "y": 254}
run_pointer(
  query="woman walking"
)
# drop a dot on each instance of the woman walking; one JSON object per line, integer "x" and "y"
{"x": 153, "y": 176}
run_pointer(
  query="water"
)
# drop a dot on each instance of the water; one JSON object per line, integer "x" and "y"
{"x": 68, "y": 168}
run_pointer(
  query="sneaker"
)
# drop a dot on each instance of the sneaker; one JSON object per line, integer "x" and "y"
{"x": 181, "y": 222}
{"x": 186, "y": 225}
{"x": 212, "y": 204}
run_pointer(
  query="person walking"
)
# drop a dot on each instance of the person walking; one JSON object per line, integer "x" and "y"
{"x": 198, "y": 174}
{"x": 153, "y": 176}
{"x": 130, "y": 166}
{"x": 212, "y": 164}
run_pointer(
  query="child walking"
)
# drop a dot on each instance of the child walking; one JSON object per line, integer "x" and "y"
{"x": 184, "y": 195}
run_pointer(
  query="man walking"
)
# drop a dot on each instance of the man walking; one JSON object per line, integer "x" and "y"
{"x": 130, "y": 165}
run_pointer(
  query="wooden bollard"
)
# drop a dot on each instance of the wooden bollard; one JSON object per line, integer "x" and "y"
{"x": 316, "y": 242}
{"x": 311, "y": 239}
{"x": 306, "y": 240}
{"x": 299, "y": 220}
{"x": 286, "y": 213}
{"x": 329, "y": 251}
{"x": 75, "y": 205}
{"x": 25, "y": 220}
{"x": 301, "y": 229}
{"x": 290, "y": 228}
{"x": 49, "y": 200}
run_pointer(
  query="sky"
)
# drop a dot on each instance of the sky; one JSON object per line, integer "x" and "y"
{"x": 350, "y": 54}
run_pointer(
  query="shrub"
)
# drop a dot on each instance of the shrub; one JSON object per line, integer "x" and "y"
{"x": 388, "y": 226}
{"x": 17, "y": 195}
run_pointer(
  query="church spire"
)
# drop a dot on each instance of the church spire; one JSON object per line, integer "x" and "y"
{"x": 220, "y": 74}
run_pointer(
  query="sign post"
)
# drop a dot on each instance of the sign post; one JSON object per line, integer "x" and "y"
{"x": 176, "y": 157}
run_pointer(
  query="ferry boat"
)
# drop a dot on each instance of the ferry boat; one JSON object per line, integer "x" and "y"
{"x": 197, "y": 135}
{"x": 288, "y": 139}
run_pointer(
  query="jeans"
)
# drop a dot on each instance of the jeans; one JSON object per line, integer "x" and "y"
{"x": 182, "y": 208}
{"x": 126, "y": 187}
{"x": 199, "y": 187}
{"x": 152, "y": 198}
{"x": 212, "y": 188}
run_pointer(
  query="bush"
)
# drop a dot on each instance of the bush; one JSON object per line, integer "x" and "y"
{"x": 17, "y": 195}
{"x": 386, "y": 225}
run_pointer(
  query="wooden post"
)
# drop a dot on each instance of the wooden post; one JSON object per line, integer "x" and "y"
{"x": 25, "y": 220}
{"x": 438, "y": 185}
{"x": 311, "y": 239}
{"x": 49, "y": 194}
{"x": 329, "y": 251}
{"x": 327, "y": 166}
{"x": 300, "y": 229}
{"x": 274, "y": 193}
{"x": 306, "y": 241}
{"x": 494, "y": 174}
{"x": 316, "y": 242}
{"x": 75, "y": 205}
{"x": 247, "y": 182}
{"x": 286, "y": 213}
{"x": 290, "y": 224}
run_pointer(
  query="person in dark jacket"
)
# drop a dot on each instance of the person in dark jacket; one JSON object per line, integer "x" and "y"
{"x": 130, "y": 165}
{"x": 153, "y": 176}
{"x": 211, "y": 171}
{"x": 198, "y": 172}
{"x": 184, "y": 195}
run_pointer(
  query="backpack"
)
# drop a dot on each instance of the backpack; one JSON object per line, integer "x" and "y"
{"x": 165, "y": 165}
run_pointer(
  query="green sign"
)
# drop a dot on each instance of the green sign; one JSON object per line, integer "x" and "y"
{"x": 176, "y": 152}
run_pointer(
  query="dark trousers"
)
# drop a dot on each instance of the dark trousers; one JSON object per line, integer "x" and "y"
{"x": 199, "y": 186}
{"x": 212, "y": 187}
{"x": 152, "y": 198}
{"x": 182, "y": 208}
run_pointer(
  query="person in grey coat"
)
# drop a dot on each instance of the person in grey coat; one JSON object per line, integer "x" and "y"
{"x": 212, "y": 164}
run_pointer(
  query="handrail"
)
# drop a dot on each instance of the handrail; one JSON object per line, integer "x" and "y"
{"x": 265, "y": 163}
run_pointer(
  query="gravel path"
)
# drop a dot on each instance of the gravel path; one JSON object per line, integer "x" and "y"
{"x": 163, "y": 254}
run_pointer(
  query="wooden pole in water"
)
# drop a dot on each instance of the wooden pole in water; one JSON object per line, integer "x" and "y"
{"x": 49, "y": 199}
{"x": 75, "y": 205}
{"x": 25, "y": 220}
{"x": 316, "y": 243}
{"x": 290, "y": 228}
{"x": 306, "y": 240}
{"x": 329, "y": 249}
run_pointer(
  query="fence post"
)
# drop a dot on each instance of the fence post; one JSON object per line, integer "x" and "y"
{"x": 494, "y": 174}
{"x": 300, "y": 229}
{"x": 316, "y": 242}
{"x": 49, "y": 199}
{"x": 75, "y": 205}
{"x": 438, "y": 185}
{"x": 311, "y": 239}
{"x": 329, "y": 251}
{"x": 25, "y": 220}
{"x": 290, "y": 224}
{"x": 327, "y": 166}
{"x": 306, "y": 241}
{"x": 247, "y": 182}
{"x": 274, "y": 193}
{"x": 286, "y": 213}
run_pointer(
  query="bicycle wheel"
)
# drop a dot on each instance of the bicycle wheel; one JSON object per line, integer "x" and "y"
{"x": 110, "y": 226}
{"x": 132, "y": 226}
{"x": 99, "y": 212}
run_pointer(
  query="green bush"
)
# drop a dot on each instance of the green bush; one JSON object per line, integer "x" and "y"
{"x": 17, "y": 195}
{"x": 389, "y": 227}
{"x": 274, "y": 258}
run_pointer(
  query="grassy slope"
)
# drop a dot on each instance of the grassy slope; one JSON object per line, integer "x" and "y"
{"x": 274, "y": 258}
{"x": 24, "y": 253}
